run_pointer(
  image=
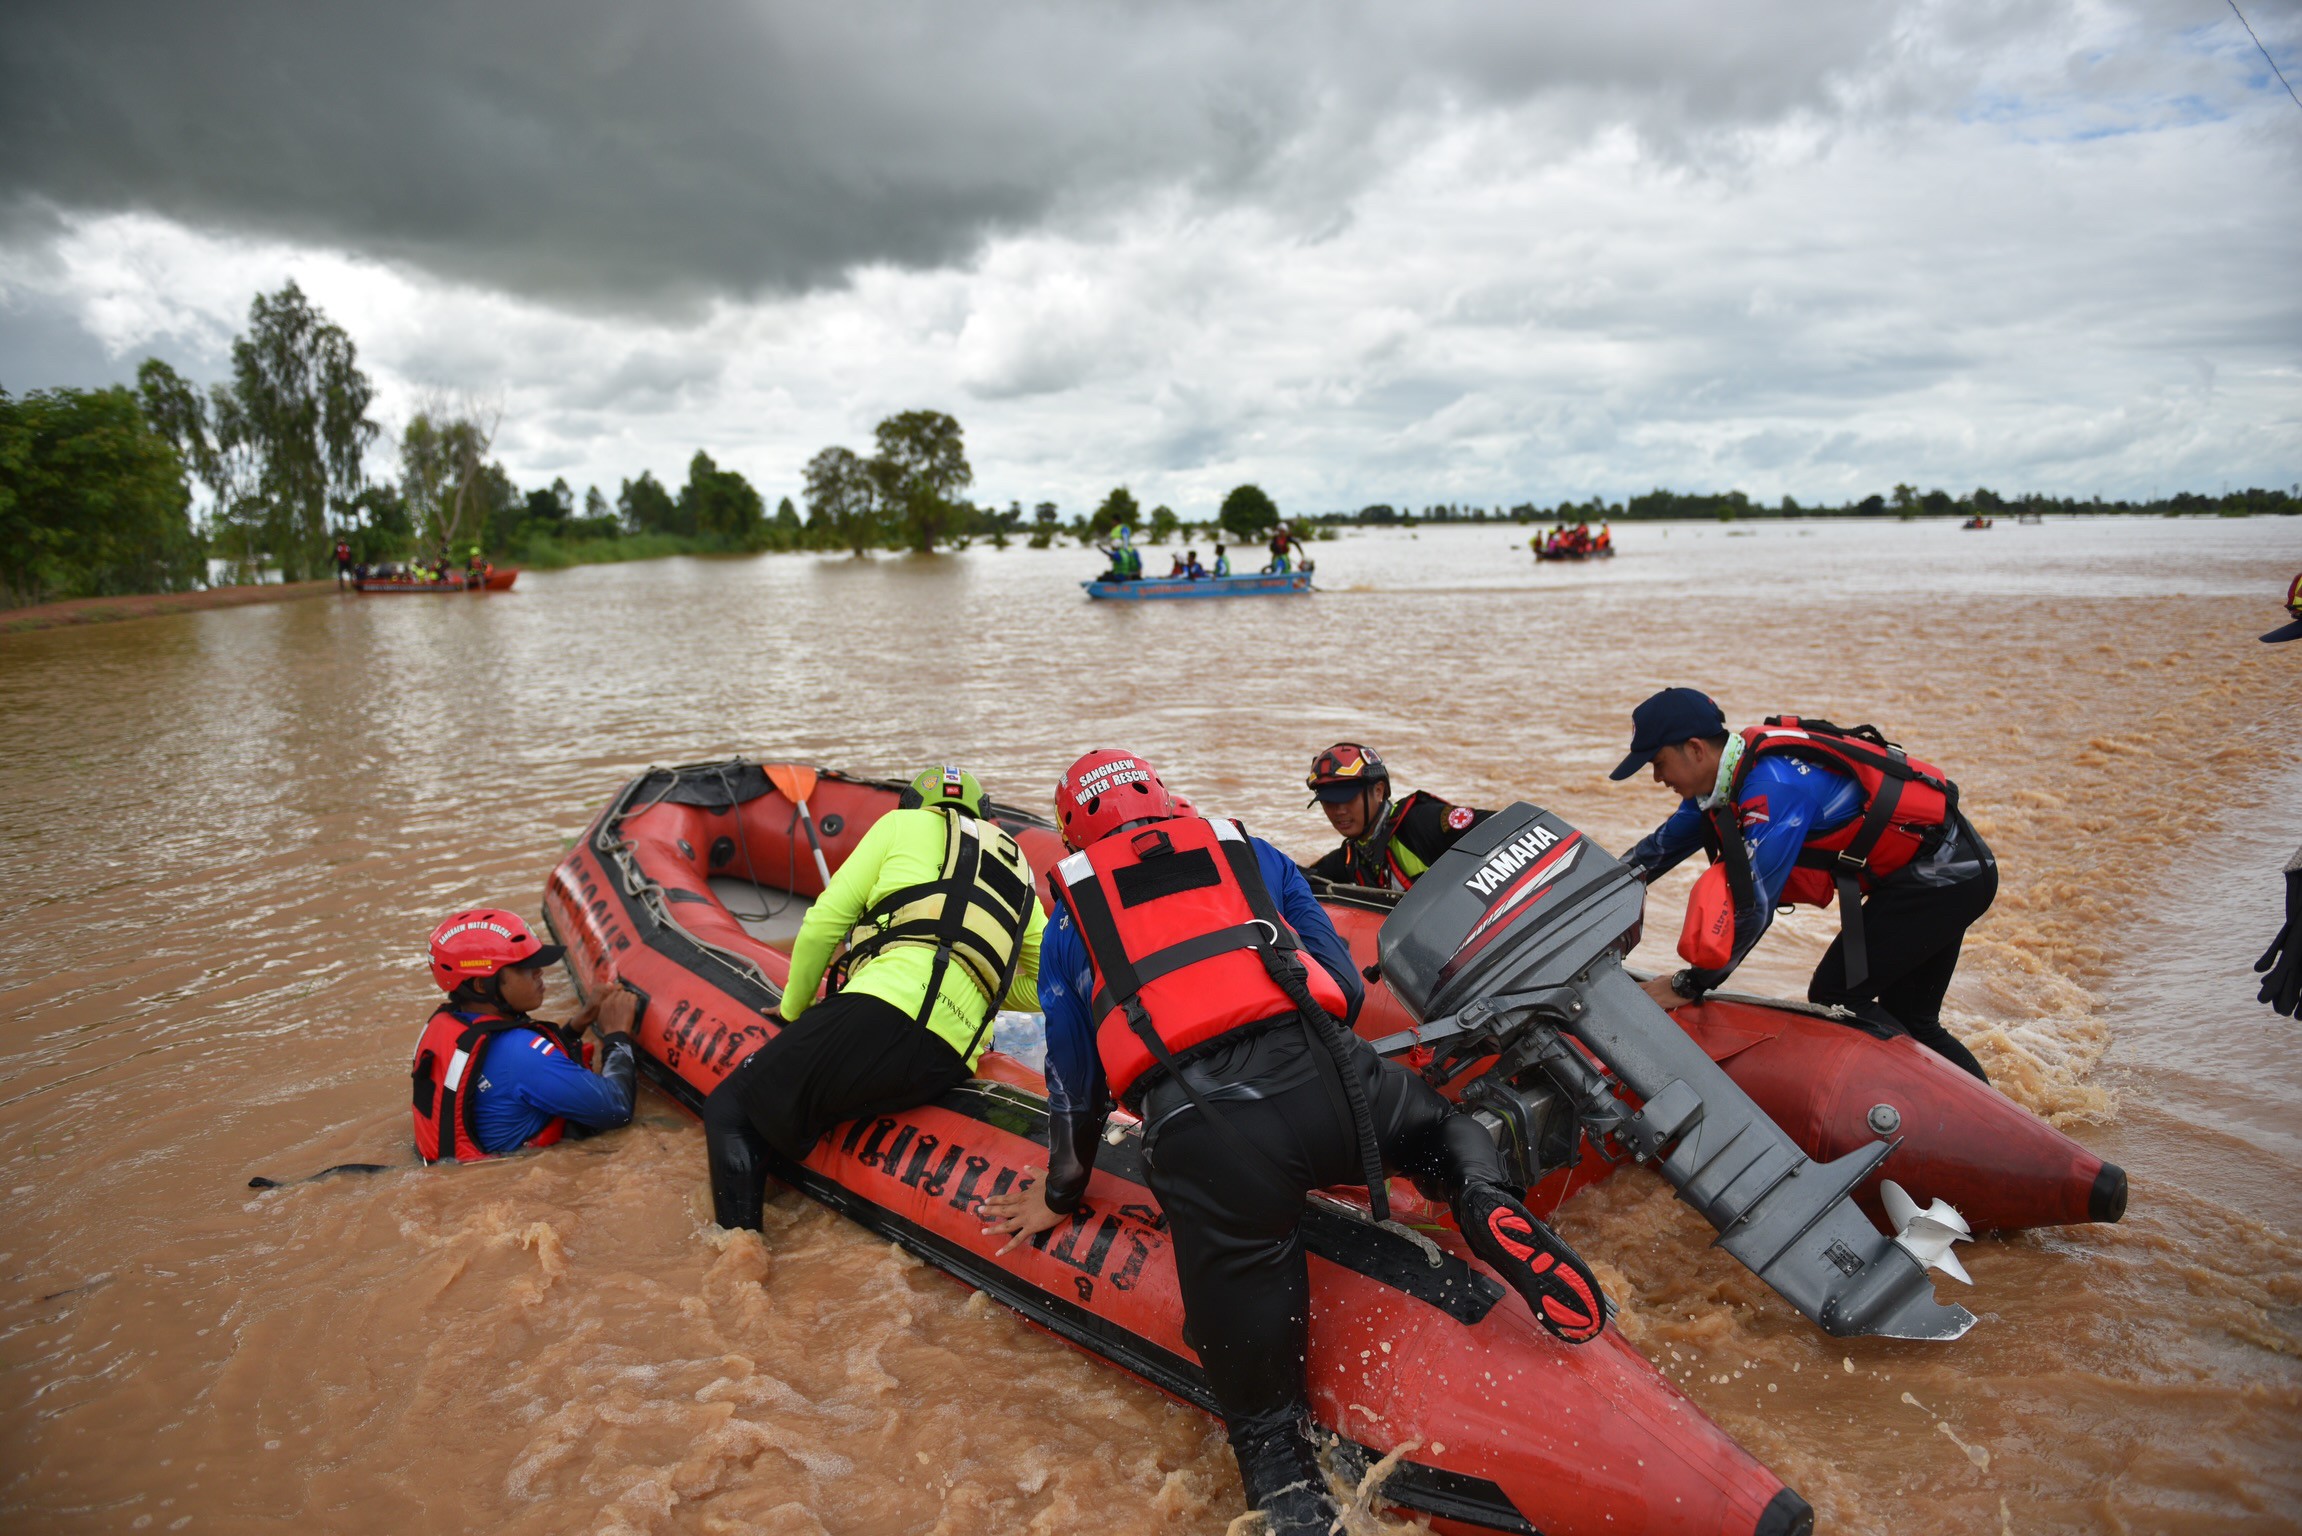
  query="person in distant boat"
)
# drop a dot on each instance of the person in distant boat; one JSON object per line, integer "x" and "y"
{"x": 1222, "y": 562}
{"x": 1799, "y": 812}
{"x": 1189, "y": 963}
{"x": 1191, "y": 566}
{"x": 942, "y": 929}
{"x": 1177, "y": 569}
{"x": 489, "y": 1079}
{"x": 1126, "y": 559}
{"x": 1282, "y": 550}
{"x": 1386, "y": 844}
{"x": 1603, "y": 542}
{"x": 343, "y": 563}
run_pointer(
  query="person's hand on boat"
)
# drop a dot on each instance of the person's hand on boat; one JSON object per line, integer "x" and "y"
{"x": 1022, "y": 1212}
{"x": 1666, "y": 998}
{"x": 616, "y": 1012}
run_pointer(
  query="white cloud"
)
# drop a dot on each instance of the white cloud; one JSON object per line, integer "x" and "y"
{"x": 2050, "y": 248}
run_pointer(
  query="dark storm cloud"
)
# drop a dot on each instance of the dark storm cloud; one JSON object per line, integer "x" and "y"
{"x": 627, "y": 156}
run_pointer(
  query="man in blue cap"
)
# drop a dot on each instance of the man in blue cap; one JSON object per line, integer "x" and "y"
{"x": 1800, "y": 812}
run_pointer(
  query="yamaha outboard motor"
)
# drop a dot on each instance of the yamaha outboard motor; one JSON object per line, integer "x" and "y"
{"x": 1512, "y": 947}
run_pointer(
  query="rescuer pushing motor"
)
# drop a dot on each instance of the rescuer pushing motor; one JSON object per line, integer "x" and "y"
{"x": 1799, "y": 813}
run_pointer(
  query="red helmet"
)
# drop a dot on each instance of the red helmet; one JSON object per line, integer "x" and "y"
{"x": 480, "y": 943}
{"x": 1106, "y": 791}
{"x": 1344, "y": 769}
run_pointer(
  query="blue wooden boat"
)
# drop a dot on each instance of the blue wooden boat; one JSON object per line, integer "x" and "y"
{"x": 1150, "y": 588}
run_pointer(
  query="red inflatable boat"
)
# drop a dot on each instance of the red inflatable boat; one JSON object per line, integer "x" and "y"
{"x": 490, "y": 580}
{"x": 1833, "y": 1088}
{"x": 689, "y": 889}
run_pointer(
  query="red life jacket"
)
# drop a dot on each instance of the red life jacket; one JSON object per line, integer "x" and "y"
{"x": 447, "y": 1080}
{"x": 1184, "y": 940}
{"x": 1906, "y": 804}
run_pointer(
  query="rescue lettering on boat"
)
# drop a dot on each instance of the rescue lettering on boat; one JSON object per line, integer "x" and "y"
{"x": 918, "y": 1159}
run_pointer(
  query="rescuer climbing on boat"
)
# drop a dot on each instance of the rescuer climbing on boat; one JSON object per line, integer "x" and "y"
{"x": 1387, "y": 844}
{"x": 488, "y": 1078}
{"x": 1190, "y": 972}
{"x": 1799, "y": 813}
{"x": 941, "y": 927}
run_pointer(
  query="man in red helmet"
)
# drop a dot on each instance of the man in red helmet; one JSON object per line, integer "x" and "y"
{"x": 488, "y": 1078}
{"x": 1386, "y": 844}
{"x": 1189, "y": 971}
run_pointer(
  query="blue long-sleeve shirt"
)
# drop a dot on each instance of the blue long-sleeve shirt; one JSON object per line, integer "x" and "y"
{"x": 1783, "y": 802}
{"x": 526, "y": 1082}
{"x": 1075, "y": 1084}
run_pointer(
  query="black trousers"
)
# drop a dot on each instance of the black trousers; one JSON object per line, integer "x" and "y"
{"x": 1236, "y": 1223}
{"x": 848, "y": 1056}
{"x": 1912, "y": 933}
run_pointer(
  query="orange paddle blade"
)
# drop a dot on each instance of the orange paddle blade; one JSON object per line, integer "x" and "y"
{"x": 794, "y": 781}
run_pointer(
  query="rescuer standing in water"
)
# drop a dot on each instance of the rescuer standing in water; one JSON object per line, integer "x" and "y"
{"x": 1797, "y": 812}
{"x": 1190, "y": 971}
{"x": 1386, "y": 844}
{"x": 936, "y": 908}
{"x": 488, "y": 1078}
{"x": 2281, "y": 964}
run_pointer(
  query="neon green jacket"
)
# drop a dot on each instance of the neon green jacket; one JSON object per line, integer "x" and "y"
{"x": 902, "y": 848}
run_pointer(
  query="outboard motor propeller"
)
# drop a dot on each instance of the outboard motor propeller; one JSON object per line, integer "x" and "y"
{"x": 1511, "y": 946}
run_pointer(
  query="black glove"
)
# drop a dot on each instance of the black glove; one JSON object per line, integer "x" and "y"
{"x": 1071, "y": 1139}
{"x": 618, "y": 1059}
{"x": 2282, "y": 986}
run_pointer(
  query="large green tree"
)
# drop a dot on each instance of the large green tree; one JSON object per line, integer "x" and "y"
{"x": 646, "y": 507}
{"x": 720, "y": 505}
{"x": 211, "y": 438}
{"x": 1248, "y": 514}
{"x": 92, "y": 500}
{"x": 843, "y": 509}
{"x": 920, "y": 469}
{"x": 303, "y": 403}
{"x": 443, "y": 470}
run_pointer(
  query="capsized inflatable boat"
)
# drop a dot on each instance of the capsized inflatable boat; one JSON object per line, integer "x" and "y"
{"x": 689, "y": 888}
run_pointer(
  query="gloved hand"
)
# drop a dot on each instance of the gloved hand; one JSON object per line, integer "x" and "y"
{"x": 2282, "y": 985}
{"x": 619, "y": 1060}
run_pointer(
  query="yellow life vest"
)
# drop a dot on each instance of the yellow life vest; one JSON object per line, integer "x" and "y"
{"x": 975, "y": 913}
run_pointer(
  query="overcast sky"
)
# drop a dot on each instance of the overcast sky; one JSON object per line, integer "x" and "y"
{"x": 1353, "y": 252}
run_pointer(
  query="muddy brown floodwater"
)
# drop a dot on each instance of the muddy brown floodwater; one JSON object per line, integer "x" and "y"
{"x": 226, "y": 836}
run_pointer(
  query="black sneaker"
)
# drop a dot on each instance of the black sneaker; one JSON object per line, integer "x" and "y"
{"x": 1557, "y": 1284}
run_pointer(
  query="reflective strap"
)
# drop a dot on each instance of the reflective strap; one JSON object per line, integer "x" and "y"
{"x": 455, "y": 1073}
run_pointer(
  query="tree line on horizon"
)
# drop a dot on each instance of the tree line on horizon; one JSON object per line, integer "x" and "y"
{"x": 96, "y": 487}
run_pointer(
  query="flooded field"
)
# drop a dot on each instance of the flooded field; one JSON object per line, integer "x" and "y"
{"x": 228, "y": 834}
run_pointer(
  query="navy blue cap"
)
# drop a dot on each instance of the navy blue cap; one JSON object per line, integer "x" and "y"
{"x": 1670, "y": 717}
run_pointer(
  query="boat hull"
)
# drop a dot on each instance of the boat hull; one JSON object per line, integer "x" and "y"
{"x": 494, "y": 581}
{"x": 1616, "y": 1447}
{"x": 1155, "y": 589}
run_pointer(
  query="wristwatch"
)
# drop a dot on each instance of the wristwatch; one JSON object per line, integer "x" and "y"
{"x": 1684, "y": 984}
